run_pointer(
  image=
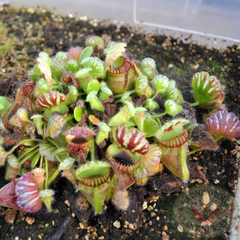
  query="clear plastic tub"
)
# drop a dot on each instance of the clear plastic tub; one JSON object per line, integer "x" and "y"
{"x": 208, "y": 22}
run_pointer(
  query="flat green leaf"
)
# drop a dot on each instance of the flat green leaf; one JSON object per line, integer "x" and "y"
{"x": 130, "y": 108}
{"x": 35, "y": 160}
{"x": 93, "y": 85}
{"x": 150, "y": 127}
{"x": 4, "y": 104}
{"x": 86, "y": 52}
{"x": 96, "y": 104}
{"x": 77, "y": 114}
{"x": 101, "y": 136}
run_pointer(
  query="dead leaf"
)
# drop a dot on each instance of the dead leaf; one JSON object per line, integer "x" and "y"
{"x": 10, "y": 215}
{"x": 203, "y": 138}
{"x": 94, "y": 120}
{"x": 199, "y": 172}
{"x": 194, "y": 66}
{"x": 172, "y": 187}
{"x": 13, "y": 138}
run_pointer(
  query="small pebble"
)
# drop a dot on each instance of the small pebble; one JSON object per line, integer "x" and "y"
{"x": 144, "y": 206}
{"x": 67, "y": 203}
{"x": 30, "y": 220}
{"x": 216, "y": 181}
{"x": 153, "y": 214}
{"x": 81, "y": 225}
{"x": 117, "y": 224}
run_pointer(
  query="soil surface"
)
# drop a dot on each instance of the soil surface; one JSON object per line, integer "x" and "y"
{"x": 28, "y": 32}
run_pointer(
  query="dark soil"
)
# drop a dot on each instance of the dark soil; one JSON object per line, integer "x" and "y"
{"x": 37, "y": 30}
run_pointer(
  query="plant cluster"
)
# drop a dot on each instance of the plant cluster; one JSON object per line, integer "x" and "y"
{"x": 99, "y": 98}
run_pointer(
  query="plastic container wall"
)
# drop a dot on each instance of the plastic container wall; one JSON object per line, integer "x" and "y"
{"x": 210, "y": 22}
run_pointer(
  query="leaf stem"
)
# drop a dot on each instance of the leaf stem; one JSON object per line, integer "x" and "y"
{"x": 58, "y": 158}
{"x": 159, "y": 122}
{"x": 26, "y": 158}
{"x": 44, "y": 131}
{"x": 21, "y": 142}
{"x": 56, "y": 87}
{"x": 53, "y": 177}
{"x": 193, "y": 151}
{"x": 93, "y": 151}
{"x": 120, "y": 95}
{"x": 53, "y": 143}
{"x": 70, "y": 117}
{"x": 194, "y": 104}
{"x": 46, "y": 168}
{"x": 155, "y": 95}
{"x": 55, "y": 78}
{"x": 218, "y": 137}
{"x": 160, "y": 115}
{"x": 141, "y": 161}
{"x": 28, "y": 151}
{"x": 41, "y": 162}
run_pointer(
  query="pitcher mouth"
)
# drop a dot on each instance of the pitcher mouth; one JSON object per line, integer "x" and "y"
{"x": 79, "y": 138}
{"x": 177, "y": 141}
{"x": 124, "y": 68}
{"x": 79, "y": 144}
{"x": 95, "y": 181}
{"x": 123, "y": 162}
